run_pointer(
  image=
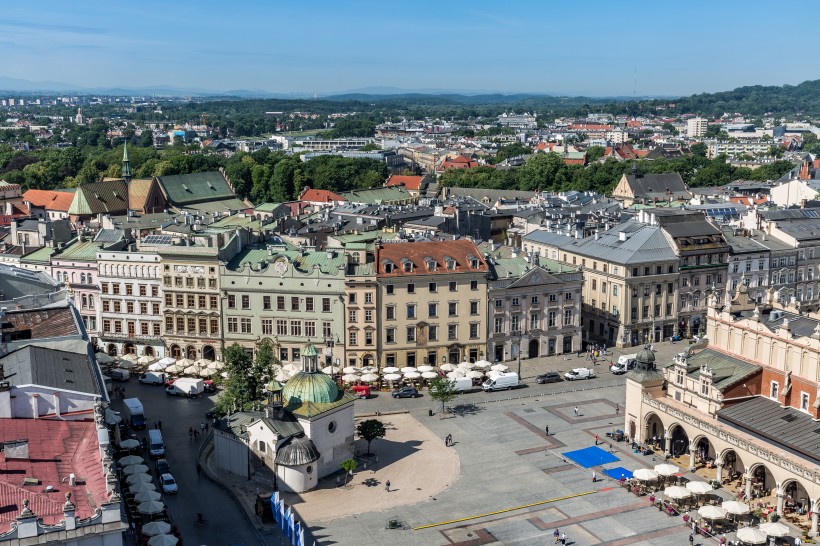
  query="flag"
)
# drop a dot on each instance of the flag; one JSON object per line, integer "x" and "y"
{"x": 288, "y": 521}
{"x": 275, "y": 502}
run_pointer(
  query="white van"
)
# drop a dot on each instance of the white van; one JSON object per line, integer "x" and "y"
{"x": 118, "y": 374}
{"x": 156, "y": 447}
{"x": 504, "y": 381}
{"x": 462, "y": 384}
{"x": 623, "y": 360}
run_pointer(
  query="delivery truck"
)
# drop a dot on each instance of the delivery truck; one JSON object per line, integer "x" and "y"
{"x": 132, "y": 409}
{"x": 186, "y": 386}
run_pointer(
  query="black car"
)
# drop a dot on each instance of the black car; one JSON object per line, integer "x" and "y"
{"x": 549, "y": 377}
{"x": 162, "y": 467}
{"x": 405, "y": 392}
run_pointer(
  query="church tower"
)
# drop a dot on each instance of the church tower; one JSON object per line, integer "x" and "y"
{"x": 645, "y": 379}
{"x": 126, "y": 165}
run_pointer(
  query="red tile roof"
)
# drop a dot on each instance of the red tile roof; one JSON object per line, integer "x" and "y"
{"x": 749, "y": 199}
{"x": 320, "y": 196}
{"x": 51, "y": 200}
{"x": 461, "y": 250}
{"x": 39, "y": 323}
{"x": 412, "y": 183}
{"x": 56, "y": 449}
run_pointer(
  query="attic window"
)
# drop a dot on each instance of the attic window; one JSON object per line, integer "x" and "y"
{"x": 408, "y": 266}
{"x": 388, "y": 267}
{"x": 474, "y": 263}
{"x": 431, "y": 264}
{"x": 451, "y": 264}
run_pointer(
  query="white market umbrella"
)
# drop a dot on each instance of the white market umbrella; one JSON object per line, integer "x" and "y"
{"x": 350, "y": 369}
{"x": 216, "y": 365}
{"x": 666, "y": 469}
{"x": 775, "y": 529}
{"x": 499, "y": 367}
{"x": 408, "y": 369}
{"x": 155, "y": 528}
{"x": 447, "y": 367}
{"x": 156, "y": 367}
{"x": 645, "y": 474}
{"x": 130, "y": 357}
{"x": 736, "y": 507}
{"x": 163, "y": 540}
{"x": 466, "y": 366}
{"x": 390, "y": 369}
{"x": 174, "y": 368}
{"x": 456, "y": 374}
{"x": 492, "y": 374}
{"x": 351, "y": 378}
{"x": 150, "y": 507}
{"x": 369, "y": 369}
{"x": 130, "y": 459}
{"x": 475, "y": 374}
{"x": 145, "y": 359}
{"x": 483, "y": 364}
{"x": 207, "y": 372}
{"x": 429, "y": 375}
{"x": 426, "y": 368}
{"x": 184, "y": 362}
{"x": 699, "y": 488}
{"x": 104, "y": 358}
{"x": 125, "y": 364}
{"x": 141, "y": 487}
{"x": 204, "y": 363}
{"x": 677, "y": 492}
{"x": 292, "y": 368}
{"x": 711, "y": 512}
{"x": 135, "y": 478}
{"x": 370, "y": 377}
{"x": 130, "y": 443}
{"x": 392, "y": 376}
{"x": 191, "y": 370}
{"x": 135, "y": 469}
{"x": 145, "y": 496}
{"x": 330, "y": 370}
{"x": 750, "y": 535}
{"x": 412, "y": 375}
{"x": 112, "y": 417}
{"x": 279, "y": 375}
{"x": 167, "y": 361}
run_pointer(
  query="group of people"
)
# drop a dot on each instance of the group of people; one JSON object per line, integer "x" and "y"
{"x": 448, "y": 440}
{"x": 119, "y": 391}
{"x": 193, "y": 432}
{"x": 559, "y": 537}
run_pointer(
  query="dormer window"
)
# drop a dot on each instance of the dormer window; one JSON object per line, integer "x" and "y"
{"x": 388, "y": 266}
{"x": 407, "y": 265}
{"x": 474, "y": 263}
{"x": 431, "y": 264}
{"x": 704, "y": 387}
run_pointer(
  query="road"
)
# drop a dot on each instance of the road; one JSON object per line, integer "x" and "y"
{"x": 227, "y": 524}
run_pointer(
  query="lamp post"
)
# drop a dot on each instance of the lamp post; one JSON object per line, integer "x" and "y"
{"x": 518, "y": 335}
{"x": 329, "y": 344}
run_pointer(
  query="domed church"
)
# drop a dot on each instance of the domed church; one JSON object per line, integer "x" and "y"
{"x": 303, "y": 435}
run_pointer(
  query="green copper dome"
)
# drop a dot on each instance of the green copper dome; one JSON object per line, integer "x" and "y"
{"x": 304, "y": 387}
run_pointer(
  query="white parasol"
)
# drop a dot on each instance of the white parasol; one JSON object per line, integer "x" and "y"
{"x": 135, "y": 469}
{"x": 499, "y": 367}
{"x": 466, "y": 366}
{"x": 175, "y": 368}
{"x": 167, "y": 361}
{"x": 130, "y": 443}
{"x": 475, "y": 374}
{"x": 412, "y": 375}
{"x": 736, "y": 507}
{"x": 351, "y": 378}
{"x": 216, "y": 365}
{"x": 370, "y": 377}
{"x": 103, "y": 358}
{"x": 125, "y": 364}
{"x": 750, "y": 535}
{"x": 145, "y": 496}
{"x": 151, "y": 507}
{"x": 429, "y": 375}
{"x": 130, "y": 459}
{"x": 134, "y": 478}
{"x": 154, "y": 528}
{"x": 677, "y": 492}
{"x": 330, "y": 370}
{"x": 447, "y": 367}
{"x": 351, "y": 369}
{"x": 426, "y": 368}
{"x": 666, "y": 469}
{"x": 392, "y": 376}
{"x": 492, "y": 374}
{"x": 112, "y": 417}
{"x": 390, "y": 369}
{"x": 207, "y": 372}
{"x": 455, "y": 374}
{"x": 775, "y": 529}
{"x": 156, "y": 367}
{"x": 130, "y": 357}
{"x": 369, "y": 369}
{"x": 645, "y": 474}
{"x": 204, "y": 363}
{"x": 293, "y": 368}
{"x": 712, "y": 512}
{"x": 139, "y": 487}
{"x": 699, "y": 488}
{"x": 482, "y": 364}
{"x": 408, "y": 369}
{"x": 145, "y": 359}
{"x": 163, "y": 540}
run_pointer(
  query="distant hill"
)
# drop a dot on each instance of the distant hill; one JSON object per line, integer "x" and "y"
{"x": 753, "y": 100}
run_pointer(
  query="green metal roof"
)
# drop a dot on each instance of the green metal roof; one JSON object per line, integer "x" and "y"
{"x": 727, "y": 370}
{"x": 356, "y": 246}
{"x": 184, "y": 189}
{"x": 39, "y": 256}
{"x": 85, "y": 251}
{"x": 267, "y": 207}
{"x": 309, "y": 350}
{"x": 260, "y": 257}
{"x": 110, "y": 196}
{"x": 378, "y": 196}
{"x": 364, "y": 237}
{"x": 316, "y": 387}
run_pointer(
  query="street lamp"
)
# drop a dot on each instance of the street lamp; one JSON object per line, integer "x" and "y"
{"x": 329, "y": 344}
{"x": 518, "y": 336}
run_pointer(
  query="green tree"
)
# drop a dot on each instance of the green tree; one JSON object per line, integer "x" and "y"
{"x": 349, "y": 466}
{"x": 699, "y": 149}
{"x": 370, "y": 430}
{"x": 442, "y": 390}
{"x": 712, "y": 131}
{"x": 237, "y": 395}
{"x": 262, "y": 371}
{"x": 594, "y": 153}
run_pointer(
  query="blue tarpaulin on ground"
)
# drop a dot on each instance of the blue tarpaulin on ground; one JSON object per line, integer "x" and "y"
{"x": 591, "y": 456}
{"x": 617, "y": 472}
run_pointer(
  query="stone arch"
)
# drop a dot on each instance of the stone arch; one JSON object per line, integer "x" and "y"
{"x": 704, "y": 449}
{"x": 129, "y": 349}
{"x": 176, "y": 352}
{"x": 111, "y": 349}
{"x": 208, "y": 352}
{"x": 653, "y": 427}
{"x": 762, "y": 480}
{"x": 148, "y": 351}
{"x": 795, "y": 495}
{"x": 677, "y": 440}
{"x": 732, "y": 461}
{"x": 190, "y": 352}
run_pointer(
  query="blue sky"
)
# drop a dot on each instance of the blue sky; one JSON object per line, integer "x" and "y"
{"x": 566, "y": 47}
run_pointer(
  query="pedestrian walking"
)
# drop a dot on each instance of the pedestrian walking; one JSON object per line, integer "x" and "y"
{"x": 691, "y": 538}
{"x": 547, "y": 430}
{"x": 596, "y": 439}
{"x": 387, "y": 486}
{"x": 610, "y": 447}
{"x": 190, "y": 433}
{"x": 447, "y": 441}
{"x": 617, "y": 409}
{"x": 594, "y": 477}
{"x": 798, "y": 541}
{"x": 563, "y": 538}
{"x": 159, "y": 424}
{"x": 576, "y": 411}
{"x": 556, "y": 535}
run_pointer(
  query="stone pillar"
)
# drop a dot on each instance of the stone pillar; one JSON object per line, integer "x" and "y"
{"x": 68, "y": 513}
{"x": 26, "y": 522}
{"x": 719, "y": 471}
{"x": 815, "y": 505}
{"x": 781, "y": 494}
{"x": 692, "y": 451}
{"x": 748, "y": 476}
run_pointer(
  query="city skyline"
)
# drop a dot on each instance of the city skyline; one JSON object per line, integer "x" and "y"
{"x": 598, "y": 50}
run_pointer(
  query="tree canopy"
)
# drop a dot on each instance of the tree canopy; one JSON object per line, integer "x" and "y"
{"x": 369, "y": 430}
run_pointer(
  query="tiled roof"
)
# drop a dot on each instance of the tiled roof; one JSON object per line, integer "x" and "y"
{"x": 100, "y": 197}
{"x": 38, "y": 324}
{"x": 419, "y": 253}
{"x": 260, "y": 256}
{"x": 229, "y": 205}
{"x": 48, "y": 199}
{"x": 33, "y": 365}
{"x": 39, "y": 256}
{"x": 784, "y": 426}
{"x": 185, "y": 189}
{"x": 56, "y": 450}
{"x": 643, "y": 244}
{"x": 412, "y": 183}
{"x": 138, "y": 190}
{"x": 320, "y": 196}
{"x": 648, "y": 185}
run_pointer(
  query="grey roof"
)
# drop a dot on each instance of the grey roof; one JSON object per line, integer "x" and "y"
{"x": 16, "y": 282}
{"x": 109, "y": 236}
{"x": 643, "y": 244}
{"x": 298, "y": 450}
{"x": 726, "y": 369}
{"x": 33, "y": 365}
{"x": 787, "y": 214}
{"x": 648, "y": 185}
{"x": 802, "y": 230}
{"x": 548, "y": 238}
{"x": 492, "y": 195}
{"x": 783, "y": 426}
{"x": 691, "y": 229}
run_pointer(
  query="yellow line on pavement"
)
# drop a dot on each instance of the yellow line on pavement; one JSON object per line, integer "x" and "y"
{"x": 502, "y": 511}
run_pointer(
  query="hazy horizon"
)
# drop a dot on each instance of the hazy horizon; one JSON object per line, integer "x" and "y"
{"x": 592, "y": 49}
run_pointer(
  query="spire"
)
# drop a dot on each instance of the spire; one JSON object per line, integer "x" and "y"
{"x": 126, "y": 165}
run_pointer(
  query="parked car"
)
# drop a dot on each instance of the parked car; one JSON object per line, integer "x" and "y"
{"x": 209, "y": 385}
{"x": 405, "y": 392}
{"x": 549, "y": 377}
{"x": 162, "y": 467}
{"x": 169, "y": 484}
{"x": 622, "y": 367}
{"x": 579, "y": 373}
